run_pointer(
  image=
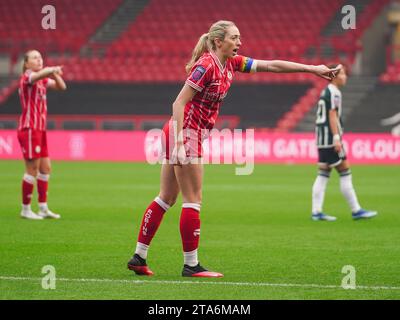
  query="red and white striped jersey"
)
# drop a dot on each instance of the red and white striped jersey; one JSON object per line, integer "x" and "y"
{"x": 212, "y": 80}
{"x": 33, "y": 101}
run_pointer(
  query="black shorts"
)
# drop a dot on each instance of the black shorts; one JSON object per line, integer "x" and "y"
{"x": 330, "y": 157}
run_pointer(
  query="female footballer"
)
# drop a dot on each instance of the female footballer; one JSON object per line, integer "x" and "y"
{"x": 331, "y": 153}
{"x": 214, "y": 61}
{"x": 32, "y": 130}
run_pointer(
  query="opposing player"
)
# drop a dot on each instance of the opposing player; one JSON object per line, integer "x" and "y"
{"x": 331, "y": 153}
{"x": 214, "y": 61}
{"x": 32, "y": 130}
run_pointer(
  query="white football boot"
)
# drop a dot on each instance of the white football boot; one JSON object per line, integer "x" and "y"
{"x": 47, "y": 214}
{"x": 29, "y": 214}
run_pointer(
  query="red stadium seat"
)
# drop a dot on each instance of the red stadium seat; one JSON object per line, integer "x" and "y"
{"x": 159, "y": 41}
{"x": 75, "y": 23}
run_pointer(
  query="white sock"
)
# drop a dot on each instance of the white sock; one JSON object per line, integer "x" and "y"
{"x": 43, "y": 177}
{"x": 141, "y": 250}
{"x": 43, "y": 206}
{"x": 346, "y": 186}
{"x": 26, "y": 207}
{"x": 190, "y": 258}
{"x": 28, "y": 178}
{"x": 318, "y": 190}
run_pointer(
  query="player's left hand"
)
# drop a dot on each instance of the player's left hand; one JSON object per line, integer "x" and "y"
{"x": 179, "y": 154}
{"x": 337, "y": 146}
{"x": 59, "y": 70}
{"x": 325, "y": 72}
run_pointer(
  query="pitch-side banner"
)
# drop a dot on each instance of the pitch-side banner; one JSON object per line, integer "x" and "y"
{"x": 221, "y": 147}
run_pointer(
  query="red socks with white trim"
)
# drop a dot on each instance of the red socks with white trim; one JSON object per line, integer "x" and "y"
{"x": 150, "y": 223}
{"x": 189, "y": 229}
{"x": 28, "y": 183}
{"x": 42, "y": 185}
{"x": 190, "y": 232}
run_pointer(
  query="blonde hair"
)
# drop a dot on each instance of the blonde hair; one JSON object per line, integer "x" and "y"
{"x": 26, "y": 58}
{"x": 207, "y": 41}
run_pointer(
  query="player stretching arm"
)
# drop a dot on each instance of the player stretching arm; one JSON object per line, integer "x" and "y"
{"x": 195, "y": 110}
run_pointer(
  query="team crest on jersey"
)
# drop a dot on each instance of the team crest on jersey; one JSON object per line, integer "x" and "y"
{"x": 229, "y": 75}
{"x": 37, "y": 149}
{"x": 198, "y": 73}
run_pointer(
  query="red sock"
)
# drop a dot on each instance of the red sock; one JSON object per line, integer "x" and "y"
{"x": 190, "y": 226}
{"x": 151, "y": 220}
{"x": 42, "y": 185}
{"x": 27, "y": 189}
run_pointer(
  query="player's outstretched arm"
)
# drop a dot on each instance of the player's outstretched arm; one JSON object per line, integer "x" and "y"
{"x": 281, "y": 66}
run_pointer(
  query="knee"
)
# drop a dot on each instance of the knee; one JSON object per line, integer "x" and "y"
{"x": 46, "y": 169}
{"x": 32, "y": 170}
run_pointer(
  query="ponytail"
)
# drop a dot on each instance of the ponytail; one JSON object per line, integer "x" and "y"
{"x": 199, "y": 49}
{"x": 207, "y": 41}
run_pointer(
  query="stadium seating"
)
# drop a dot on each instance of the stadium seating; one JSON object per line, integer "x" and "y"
{"x": 76, "y": 20}
{"x": 156, "y": 46}
{"x": 348, "y": 42}
{"x": 392, "y": 74}
{"x": 291, "y": 118}
{"x": 380, "y": 104}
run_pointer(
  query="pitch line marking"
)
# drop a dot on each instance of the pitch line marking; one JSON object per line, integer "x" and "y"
{"x": 255, "y": 284}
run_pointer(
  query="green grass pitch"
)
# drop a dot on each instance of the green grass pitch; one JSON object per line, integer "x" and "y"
{"x": 255, "y": 229}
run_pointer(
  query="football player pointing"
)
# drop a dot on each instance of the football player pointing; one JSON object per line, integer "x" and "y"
{"x": 32, "y": 137}
{"x": 331, "y": 152}
{"x": 214, "y": 61}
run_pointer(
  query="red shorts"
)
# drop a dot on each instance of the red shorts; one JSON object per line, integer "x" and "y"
{"x": 33, "y": 143}
{"x": 192, "y": 141}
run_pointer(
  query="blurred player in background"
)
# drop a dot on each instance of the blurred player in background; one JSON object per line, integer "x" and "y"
{"x": 32, "y": 130}
{"x": 331, "y": 154}
{"x": 214, "y": 61}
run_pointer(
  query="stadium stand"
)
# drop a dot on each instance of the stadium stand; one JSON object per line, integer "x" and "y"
{"x": 149, "y": 53}
{"x": 345, "y": 44}
{"x": 157, "y": 44}
{"x": 392, "y": 72}
{"x": 76, "y": 21}
{"x": 139, "y": 99}
{"x": 381, "y": 103}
